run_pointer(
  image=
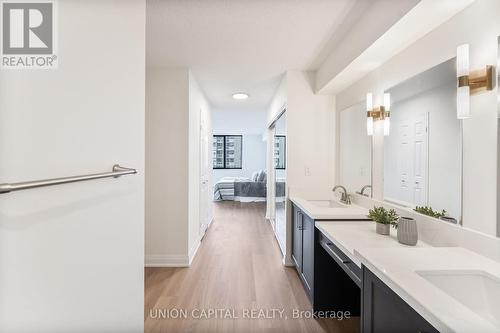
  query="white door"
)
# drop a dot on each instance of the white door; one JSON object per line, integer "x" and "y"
{"x": 404, "y": 162}
{"x": 412, "y": 160}
{"x": 420, "y": 153}
{"x": 204, "y": 169}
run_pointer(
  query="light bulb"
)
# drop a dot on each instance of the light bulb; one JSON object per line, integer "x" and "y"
{"x": 369, "y": 102}
{"x": 463, "y": 102}
{"x": 463, "y": 93}
{"x": 463, "y": 60}
{"x": 387, "y": 126}
{"x": 387, "y": 101}
{"x": 369, "y": 125}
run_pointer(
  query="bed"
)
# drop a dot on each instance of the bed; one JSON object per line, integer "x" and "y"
{"x": 244, "y": 189}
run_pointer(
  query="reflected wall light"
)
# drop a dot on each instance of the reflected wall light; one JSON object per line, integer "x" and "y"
{"x": 498, "y": 87}
{"x": 379, "y": 112}
{"x": 470, "y": 82}
{"x": 387, "y": 119}
{"x": 369, "y": 118}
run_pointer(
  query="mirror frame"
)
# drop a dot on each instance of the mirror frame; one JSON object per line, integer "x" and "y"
{"x": 498, "y": 137}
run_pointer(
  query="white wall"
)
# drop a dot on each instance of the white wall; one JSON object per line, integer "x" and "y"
{"x": 244, "y": 121}
{"x": 376, "y": 19}
{"x": 72, "y": 256}
{"x": 167, "y": 165}
{"x": 198, "y": 108}
{"x": 310, "y": 119}
{"x": 480, "y": 132}
{"x": 355, "y": 149}
{"x": 174, "y": 107}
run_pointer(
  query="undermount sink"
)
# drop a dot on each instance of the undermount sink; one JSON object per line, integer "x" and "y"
{"x": 477, "y": 290}
{"x": 327, "y": 203}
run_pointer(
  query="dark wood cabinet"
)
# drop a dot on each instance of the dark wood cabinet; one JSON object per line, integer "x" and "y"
{"x": 328, "y": 286}
{"x": 334, "y": 282}
{"x": 303, "y": 248}
{"x": 297, "y": 238}
{"x": 334, "y": 289}
{"x": 383, "y": 311}
{"x": 308, "y": 252}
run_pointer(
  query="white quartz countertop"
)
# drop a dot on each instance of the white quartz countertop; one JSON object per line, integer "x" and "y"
{"x": 399, "y": 270}
{"x": 351, "y": 235}
{"x": 398, "y": 266}
{"x": 343, "y": 212}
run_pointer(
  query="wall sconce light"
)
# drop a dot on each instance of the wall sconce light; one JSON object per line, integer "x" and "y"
{"x": 470, "y": 82}
{"x": 379, "y": 112}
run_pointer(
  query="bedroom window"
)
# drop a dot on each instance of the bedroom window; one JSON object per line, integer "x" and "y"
{"x": 227, "y": 151}
{"x": 279, "y": 152}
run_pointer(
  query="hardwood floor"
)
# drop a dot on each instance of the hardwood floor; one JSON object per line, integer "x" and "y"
{"x": 238, "y": 268}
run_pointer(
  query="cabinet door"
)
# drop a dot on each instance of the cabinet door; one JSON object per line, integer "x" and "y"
{"x": 308, "y": 251}
{"x": 297, "y": 238}
{"x": 384, "y": 311}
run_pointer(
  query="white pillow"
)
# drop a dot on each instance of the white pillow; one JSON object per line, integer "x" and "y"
{"x": 262, "y": 176}
{"x": 255, "y": 176}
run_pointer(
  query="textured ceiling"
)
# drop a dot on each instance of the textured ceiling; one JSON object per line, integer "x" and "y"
{"x": 244, "y": 45}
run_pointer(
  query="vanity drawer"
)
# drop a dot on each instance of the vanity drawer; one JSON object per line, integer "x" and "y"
{"x": 341, "y": 258}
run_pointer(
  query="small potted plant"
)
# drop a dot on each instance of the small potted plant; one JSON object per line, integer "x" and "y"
{"x": 442, "y": 215}
{"x": 383, "y": 219}
{"x": 430, "y": 212}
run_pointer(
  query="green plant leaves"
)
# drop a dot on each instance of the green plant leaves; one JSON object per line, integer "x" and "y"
{"x": 430, "y": 212}
{"x": 383, "y": 216}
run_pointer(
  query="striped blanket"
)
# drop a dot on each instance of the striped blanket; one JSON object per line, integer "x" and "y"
{"x": 243, "y": 189}
{"x": 224, "y": 188}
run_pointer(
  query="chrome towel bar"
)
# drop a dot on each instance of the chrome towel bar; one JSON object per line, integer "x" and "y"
{"x": 117, "y": 171}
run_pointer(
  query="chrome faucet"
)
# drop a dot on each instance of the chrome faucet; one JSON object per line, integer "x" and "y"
{"x": 362, "y": 192}
{"x": 344, "y": 197}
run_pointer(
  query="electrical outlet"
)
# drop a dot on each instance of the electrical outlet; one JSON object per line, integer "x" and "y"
{"x": 307, "y": 171}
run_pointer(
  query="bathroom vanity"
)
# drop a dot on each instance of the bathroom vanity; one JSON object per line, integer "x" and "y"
{"x": 381, "y": 309}
{"x": 305, "y": 249}
{"x": 325, "y": 281}
{"x": 345, "y": 266}
{"x": 335, "y": 280}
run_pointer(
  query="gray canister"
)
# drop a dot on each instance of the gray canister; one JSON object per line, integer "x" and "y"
{"x": 407, "y": 231}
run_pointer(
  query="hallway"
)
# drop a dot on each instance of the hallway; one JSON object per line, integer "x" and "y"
{"x": 238, "y": 267}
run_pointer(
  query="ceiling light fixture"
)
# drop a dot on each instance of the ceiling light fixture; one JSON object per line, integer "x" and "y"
{"x": 240, "y": 95}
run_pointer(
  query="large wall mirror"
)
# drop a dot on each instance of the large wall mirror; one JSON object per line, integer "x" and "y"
{"x": 498, "y": 141}
{"x": 423, "y": 152}
{"x": 355, "y": 150}
{"x": 279, "y": 161}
